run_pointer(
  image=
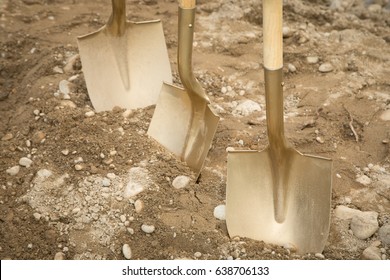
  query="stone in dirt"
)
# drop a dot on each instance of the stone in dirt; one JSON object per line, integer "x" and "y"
{"x": 312, "y": 59}
{"x": 13, "y": 170}
{"x": 345, "y": 213}
{"x": 364, "y": 180}
{"x": 181, "y": 182}
{"x": 325, "y": 68}
{"x": 371, "y": 253}
{"x": 384, "y": 234}
{"x": 365, "y": 224}
{"x": 219, "y": 212}
{"x": 385, "y": 116}
{"x": 59, "y": 256}
{"x": 246, "y": 108}
{"x": 148, "y": 228}
{"x": 126, "y": 250}
{"x": 138, "y": 205}
{"x": 7, "y": 137}
{"x": 26, "y": 162}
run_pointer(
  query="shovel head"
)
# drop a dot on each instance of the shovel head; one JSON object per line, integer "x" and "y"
{"x": 184, "y": 124}
{"x": 250, "y": 209}
{"x": 128, "y": 70}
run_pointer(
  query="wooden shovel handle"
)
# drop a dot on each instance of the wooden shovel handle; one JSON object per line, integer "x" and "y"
{"x": 273, "y": 34}
{"x": 187, "y": 4}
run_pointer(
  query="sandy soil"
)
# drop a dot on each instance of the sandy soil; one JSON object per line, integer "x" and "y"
{"x": 69, "y": 202}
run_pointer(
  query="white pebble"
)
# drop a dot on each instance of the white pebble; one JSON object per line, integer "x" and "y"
{"x": 181, "y": 182}
{"x": 312, "y": 59}
{"x": 89, "y": 114}
{"x": 320, "y": 140}
{"x": 197, "y": 254}
{"x": 59, "y": 256}
{"x": 224, "y": 90}
{"x": 26, "y": 162}
{"x": 29, "y": 246}
{"x": 106, "y": 182}
{"x": 65, "y": 152}
{"x": 345, "y": 213}
{"x": 64, "y": 87}
{"x": 122, "y": 218}
{"x": 319, "y": 256}
{"x": 78, "y": 167}
{"x": 111, "y": 176}
{"x": 147, "y": 228}
{"x": 364, "y": 180}
{"x": 13, "y": 170}
{"x": 325, "y": 68}
{"x": 291, "y": 68}
{"x": 126, "y": 250}
{"x": 219, "y": 212}
{"x": 37, "y": 216}
{"x": 130, "y": 230}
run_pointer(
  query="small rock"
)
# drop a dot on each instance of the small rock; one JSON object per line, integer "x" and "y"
{"x": 26, "y": 162}
{"x": 371, "y": 253}
{"x": 7, "y": 137}
{"x": 68, "y": 103}
{"x": 246, "y": 108}
{"x": 320, "y": 140}
{"x": 122, "y": 218}
{"x": 148, "y": 228}
{"x": 13, "y": 170}
{"x": 364, "y": 180}
{"x": 58, "y": 70}
{"x": 106, "y": 182}
{"x": 385, "y": 116}
{"x": 90, "y": 114}
{"x": 65, "y": 152}
{"x": 312, "y": 59}
{"x": 365, "y": 224}
{"x": 384, "y": 234}
{"x": 111, "y": 176}
{"x": 224, "y": 90}
{"x": 291, "y": 68}
{"x": 59, "y": 256}
{"x": 37, "y": 216}
{"x": 126, "y": 250}
{"x": 138, "y": 205}
{"x": 43, "y": 174}
{"x": 130, "y": 230}
{"x": 345, "y": 213}
{"x": 287, "y": 32}
{"x": 197, "y": 254}
{"x": 181, "y": 182}
{"x": 64, "y": 87}
{"x": 319, "y": 256}
{"x": 325, "y": 68}
{"x": 219, "y": 212}
{"x": 79, "y": 167}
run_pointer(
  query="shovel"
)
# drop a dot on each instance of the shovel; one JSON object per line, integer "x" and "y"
{"x": 183, "y": 121}
{"x": 124, "y": 63}
{"x": 278, "y": 195}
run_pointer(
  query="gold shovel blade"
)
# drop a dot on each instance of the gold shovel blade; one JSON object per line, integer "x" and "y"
{"x": 128, "y": 70}
{"x": 250, "y": 209}
{"x": 184, "y": 124}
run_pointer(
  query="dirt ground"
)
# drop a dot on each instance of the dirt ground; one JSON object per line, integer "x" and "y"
{"x": 69, "y": 203}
